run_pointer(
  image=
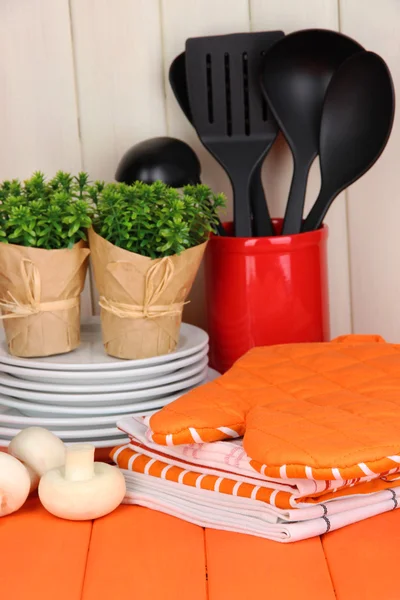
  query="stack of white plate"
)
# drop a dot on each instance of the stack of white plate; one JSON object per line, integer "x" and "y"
{"x": 80, "y": 395}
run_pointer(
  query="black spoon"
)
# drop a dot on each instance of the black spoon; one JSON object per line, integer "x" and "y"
{"x": 357, "y": 118}
{"x": 295, "y": 76}
{"x": 262, "y": 223}
{"x": 166, "y": 159}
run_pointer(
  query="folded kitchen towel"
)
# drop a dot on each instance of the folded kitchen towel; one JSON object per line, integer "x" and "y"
{"x": 283, "y": 496}
{"x": 188, "y": 504}
{"x": 321, "y": 411}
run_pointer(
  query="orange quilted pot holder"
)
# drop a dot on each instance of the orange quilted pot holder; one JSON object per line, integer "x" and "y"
{"x": 322, "y": 411}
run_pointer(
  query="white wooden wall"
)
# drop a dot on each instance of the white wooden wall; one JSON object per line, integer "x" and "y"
{"x": 83, "y": 80}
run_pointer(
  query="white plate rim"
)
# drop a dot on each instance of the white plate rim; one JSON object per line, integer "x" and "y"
{"x": 119, "y": 364}
{"x": 106, "y": 410}
{"x": 9, "y": 381}
{"x": 68, "y": 434}
{"x": 22, "y": 419}
{"x": 64, "y": 378}
{"x": 4, "y": 443}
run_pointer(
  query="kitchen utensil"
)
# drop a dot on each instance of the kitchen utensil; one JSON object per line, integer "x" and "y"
{"x": 162, "y": 158}
{"x": 295, "y": 75}
{"x": 262, "y": 223}
{"x": 90, "y": 355}
{"x": 177, "y": 80}
{"x": 135, "y": 378}
{"x": 228, "y": 111}
{"x": 357, "y": 118}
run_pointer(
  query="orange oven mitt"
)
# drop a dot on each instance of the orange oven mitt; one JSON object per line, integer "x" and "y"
{"x": 321, "y": 411}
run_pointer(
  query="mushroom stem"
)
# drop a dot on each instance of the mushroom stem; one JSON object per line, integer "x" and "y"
{"x": 79, "y": 462}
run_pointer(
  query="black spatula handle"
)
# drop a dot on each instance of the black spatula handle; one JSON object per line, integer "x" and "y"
{"x": 241, "y": 205}
{"x": 262, "y": 223}
{"x": 295, "y": 205}
{"x": 317, "y": 214}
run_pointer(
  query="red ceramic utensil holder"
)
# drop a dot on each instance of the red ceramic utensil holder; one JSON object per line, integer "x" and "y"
{"x": 264, "y": 291}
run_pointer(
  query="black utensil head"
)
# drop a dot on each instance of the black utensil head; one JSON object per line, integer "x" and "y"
{"x": 161, "y": 158}
{"x": 223, "y": 82}
{"x": 177, "y": 80}
{"x": 295, "y": 75}
{"x": 357, "y": 119}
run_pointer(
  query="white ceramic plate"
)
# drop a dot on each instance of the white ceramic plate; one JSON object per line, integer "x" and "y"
{"x": 12, "y": 417}
{"x": 40, "y": 411}
{"x": 32, "y": 409}
{"x": 143, "y": 377}
{"x": 110, "y": 398}
{"x": 46, "y": 410}
{"x": 90, "y": 356}
{"x": 154, "y": 383}
{"x": 98, "y": 443}
{"x": 69, "y": 434}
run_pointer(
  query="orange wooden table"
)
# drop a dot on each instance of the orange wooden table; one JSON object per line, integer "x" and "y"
{"x": 138, "y": 554}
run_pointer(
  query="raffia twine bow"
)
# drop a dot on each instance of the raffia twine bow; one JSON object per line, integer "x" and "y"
{"x": 32, "y": 287}
{"x": 150, "y": 309}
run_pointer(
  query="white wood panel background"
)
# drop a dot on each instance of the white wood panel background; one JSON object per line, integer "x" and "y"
{"x": 83, "y": 80}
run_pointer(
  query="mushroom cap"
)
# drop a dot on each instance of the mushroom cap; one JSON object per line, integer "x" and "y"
{"x": 82, "y": 500}
{"x": 39, "y": 449}
{"x": 15, "y": 484}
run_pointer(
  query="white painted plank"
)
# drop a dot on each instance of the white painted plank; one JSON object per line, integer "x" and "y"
{"x": 292, "y": 15}
{"x": 119, "y": 71}
{"x": 373, "y": 205}
{"x": 38, "y": 113}
{"x": 182, "y": 19}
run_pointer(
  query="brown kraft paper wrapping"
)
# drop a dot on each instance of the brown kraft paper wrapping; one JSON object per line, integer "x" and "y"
{"x": 141, "y": 299}
{"x": 40, "y": 298}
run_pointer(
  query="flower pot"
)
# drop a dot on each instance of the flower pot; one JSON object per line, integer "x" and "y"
{"x": 40, "y": 298}
{"x": 141, "y": 299}
{"x": 264, "y": 291}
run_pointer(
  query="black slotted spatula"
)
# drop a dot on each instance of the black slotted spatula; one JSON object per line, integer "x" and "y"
{"x": 262, "y": 223}
{"x": 228, "y": 111}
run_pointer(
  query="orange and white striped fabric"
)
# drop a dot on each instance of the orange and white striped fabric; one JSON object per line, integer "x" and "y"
{"x": 214, "y": 485}
{"x": 322, "y": 411}
{"x": 177, "y": 465}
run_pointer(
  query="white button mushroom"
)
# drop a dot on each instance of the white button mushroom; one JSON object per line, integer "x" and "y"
{"x": 82, "y": 489}
{"x": 39, "y": 450}
{"x": 14, "y": 484}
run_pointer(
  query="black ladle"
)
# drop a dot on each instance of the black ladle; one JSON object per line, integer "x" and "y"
{"x": 295, "y": 76}
{"x": 165, "y": 159}
{"x": 357, "y": 119}
{"x": 262, "y": 223}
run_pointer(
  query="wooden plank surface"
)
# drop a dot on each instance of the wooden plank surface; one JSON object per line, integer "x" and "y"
{"x": 374, "y": 209}
{"x": 42, "y": 557}
{"x": 38, "y": 111}
{"x": 138, "y": 553}
{"x": 117, "y": 48}
{"x": 119, "y": 73}
{"x": 244, "y": 566}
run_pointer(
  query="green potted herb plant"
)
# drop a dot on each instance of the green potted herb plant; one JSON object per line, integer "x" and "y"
{"x": 43, "y": 262}
{"x": 147, "y": 242}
